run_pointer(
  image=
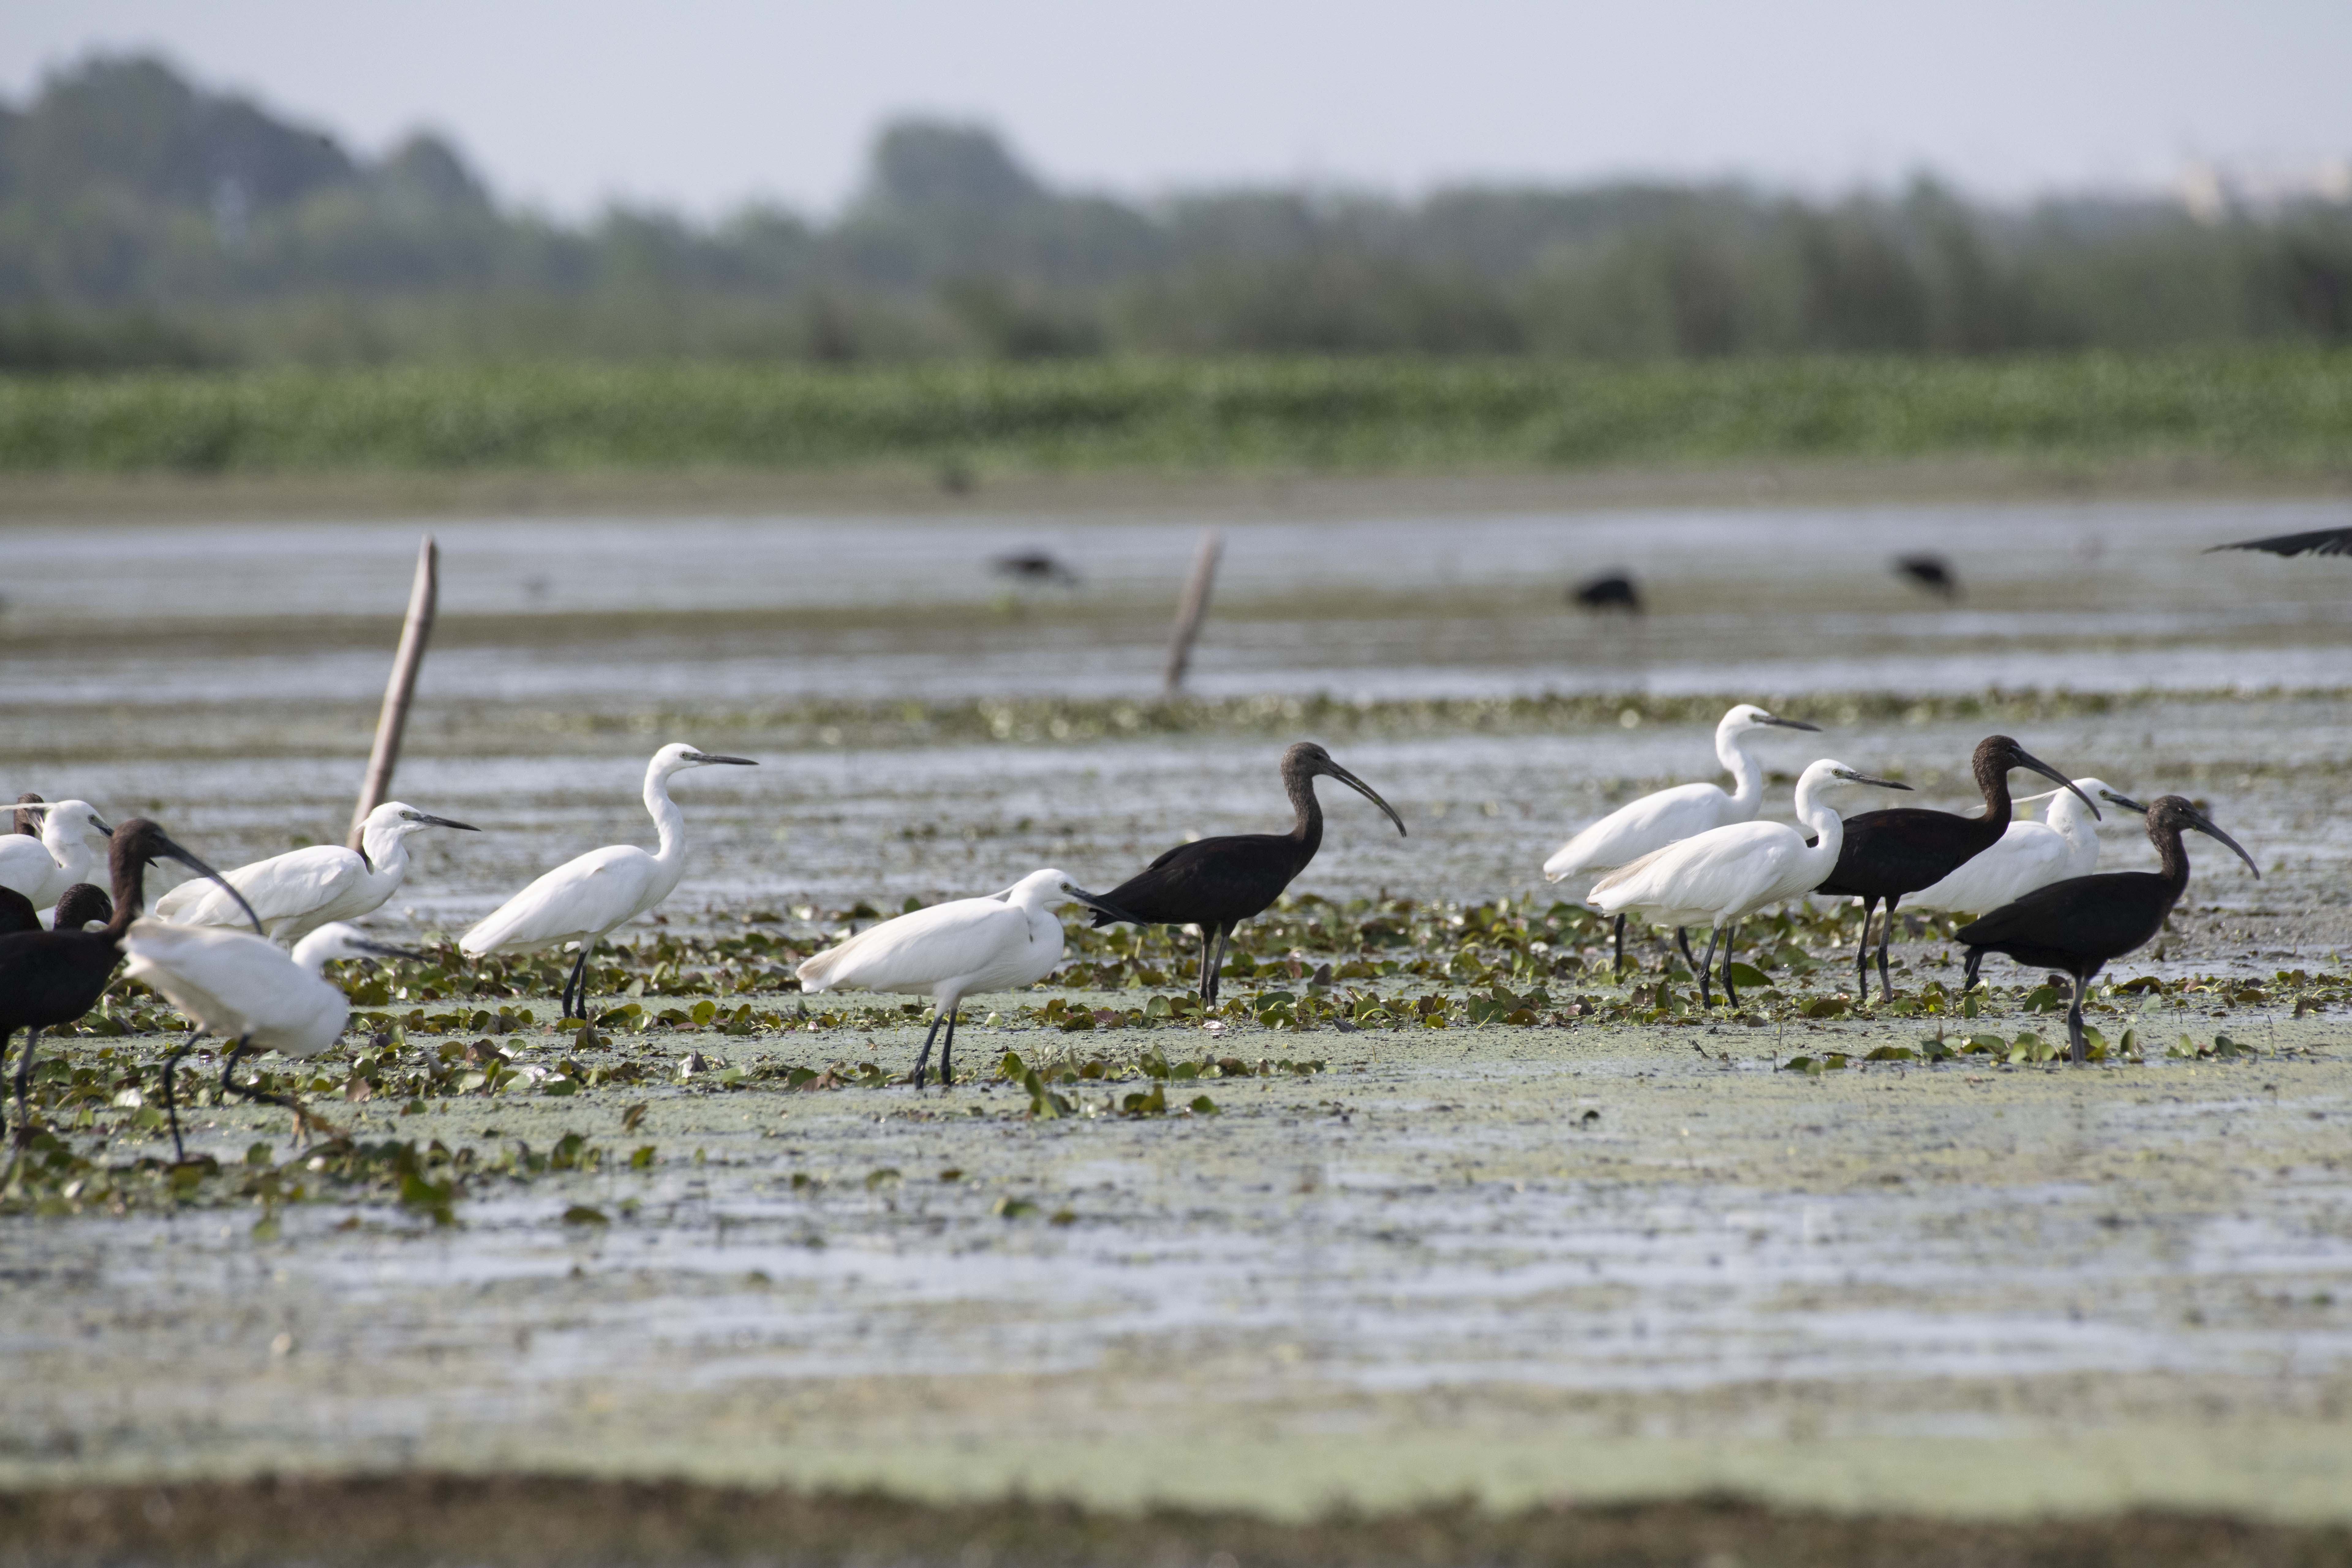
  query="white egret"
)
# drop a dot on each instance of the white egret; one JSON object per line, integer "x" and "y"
{"x": 583, "y": 899}
{"x": 1658, "y": 819}
{"x": 42, "y": 868}
{"x": 2029, "y": 855}
{"x": 956, "y": 949}
{"x": 248, "y": 991}
{"x": 1720, "y": 877}
{"x": 298, "y": 891}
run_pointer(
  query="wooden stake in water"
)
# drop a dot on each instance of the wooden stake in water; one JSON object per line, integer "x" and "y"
{"x": 1194, "y": 608}
{"x": 422, "y": 598}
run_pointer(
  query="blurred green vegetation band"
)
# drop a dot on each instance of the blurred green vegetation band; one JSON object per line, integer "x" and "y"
{"x": 2286, "y": 407}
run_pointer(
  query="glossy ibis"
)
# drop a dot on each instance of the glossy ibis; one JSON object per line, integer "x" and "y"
{"x": 1932, "y": 572}
{"x": 297, "y": 893}
{"x": 42, "y": 868}
{"x": 2080, "y": 925}
{"x": 1035, "y": 566}
{"x": 1890, "y": 853}
{"x": 17, "y": 912}
{"x": 1610, "y": 591}
{"x": 249, "y": 992}
{"x": 50, "y": 977}
{"x": 956, "y": 949}
{"x": 2318, "y": 541}
{"x": 1217, "y": 883}
{"x": 2029, "y": 856}
{"x": 1720, "y": 877}
{"x": 585, "y": 898}
{"x": 1658, "y": 819}
{"x": 29, "y": 822}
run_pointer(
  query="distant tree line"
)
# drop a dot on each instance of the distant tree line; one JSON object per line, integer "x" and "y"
{"x": 144, "y": 221}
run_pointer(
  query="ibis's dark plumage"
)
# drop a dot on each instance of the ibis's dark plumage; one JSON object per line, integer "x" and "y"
{"x": 1932, "y": 572}
{"x": 2081, "y": 924}
{"x": 1610, "y": 591}
{"x": 2318, "y": 541}
{"x": 50, "y": 977}
{"x": 80, "y": 905}
{"x": 28, "y": 823}
{"x": 1217, "y": 883}
{"x": 1035, "y": 566}
{"x": 16, "y": 913}
{"x": 1888, "y": 853}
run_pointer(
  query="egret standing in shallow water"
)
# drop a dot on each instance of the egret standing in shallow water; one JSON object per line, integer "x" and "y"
{"x": 1659, "y": 818}
{"x": 1890, "y": 853}
{"x": 248, "y": 991}
{"x": 42, "y": 868}
{"x": 2082, "y": 924}
{"x": 298, "y": 891}
{"x": 51, "y": 977}
{"x": 956, "y": 949}
{"x": 1217, "y": 883}
{"x": 582, "y": 900}
{"x": 2029, "y": 855}
{"x": 1722, "y": 876}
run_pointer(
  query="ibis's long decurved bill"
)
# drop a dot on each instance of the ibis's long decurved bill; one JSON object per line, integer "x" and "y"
{"x": 171, "y": 851}
{"x": 1101, "y": 906}
{"x": 1368, "y": 792}
{"x": 385, "y": 950}
{"x": 2025, "y": 760}
{"x": 2204, "y": 824}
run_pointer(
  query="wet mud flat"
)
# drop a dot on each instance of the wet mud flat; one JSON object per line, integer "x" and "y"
{"x": 1519, "y": 1265}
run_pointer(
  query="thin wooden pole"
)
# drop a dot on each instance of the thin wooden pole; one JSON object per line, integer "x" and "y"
{"x": 423, "y": 597}
{"x": 1194, "y": 608}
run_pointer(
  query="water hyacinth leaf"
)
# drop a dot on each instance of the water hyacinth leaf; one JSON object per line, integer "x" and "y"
{"x": 641, "y": 1159}
{"x": 633, "y": 1116}
{"x": 1011, "y": 1207}
{"x": 581, "y": 1214}
{"x": 1203, "y": 1106}
{"x": 1746, "y": 976}
{"x": 256, "y": 1153}
{"x": 887, "y": 1176}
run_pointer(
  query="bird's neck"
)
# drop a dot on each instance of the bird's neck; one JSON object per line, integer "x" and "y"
{"x": 1747, "y": 774}
{"x": 1305, "y": 810}
{"x": 130, "y": 893}
{"x": 2172, "y": 855}
{"x": 311, "y": 953}
{"x": 1994, "y": 782}
{"x": 1829, "y": 828}
{"x": 385, "y": 850}
{"x": 669, "y": 823}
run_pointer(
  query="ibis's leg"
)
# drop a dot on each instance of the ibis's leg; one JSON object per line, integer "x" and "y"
{"x": 171, "y": 1104}
{"x": 1975, "y": 961}
{"x": 1617, "y": 964}
{"x": 947, "y": 1048}
{"x": 924, "y": 1060}
{"x": 1217, "y": 969}
{"x": 1861, "y": 952}
{"x": 1208, "y": 959}
{"x": 1730, "y": 936}
{"x": 1886, "y": 934}
{"x": 24, "y": 1088}
{"x": 1714, "y": 941}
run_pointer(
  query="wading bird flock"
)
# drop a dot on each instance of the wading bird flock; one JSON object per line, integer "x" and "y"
{"x": 1691, "y": 855}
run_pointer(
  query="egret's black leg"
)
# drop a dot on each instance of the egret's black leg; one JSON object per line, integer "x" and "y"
{"x": 575, "y": 989}
{"x": 1714, "y": 939}
{"x": 1617, "y": 964}
{"x": 1886, "y": 934}
{"x": 264, "y": 1097}
{"x": 1730, "y": 936}
{"x": 24, "y": 1088}
{"x": 947, "y": 1050}
{"x": 923, "y": 1060}
{"x": 1975, "y": 961}
{"x": 171, "y": 1105}
{"x": 1682, "y": 940}
{"x": 1861, "y": 952}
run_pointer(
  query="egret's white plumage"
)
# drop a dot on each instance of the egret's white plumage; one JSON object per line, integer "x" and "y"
{"x": 297, "y": 893}
{"x": 1658, "y": 819}
{"x": 42, "y": 868}
{"x": 2029, "y": 855}
{"x": 955, "y": 950}
{"x": 583, "y": 899}
{"x": 1717, "y": 878}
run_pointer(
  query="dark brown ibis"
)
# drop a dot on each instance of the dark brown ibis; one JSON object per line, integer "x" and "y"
{"x": 1888, "y": 853}
{"x": 51, "y": 977}
{"x": 1217, "y": 883}
{"x": 2318, "y": 541}
{"x": 2080, "y": 925}
{"x": 81, "y": 903}
{"x": 1610, "y": 591}
{"x": 17, "y": 912}
{"x": 1035, "y": 566}
{"x": 1931, "y": 573}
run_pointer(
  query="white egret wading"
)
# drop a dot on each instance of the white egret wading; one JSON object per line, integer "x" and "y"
{"x": 582, "y": 900}
{"x": 1657, "y": 820}
{"x": 956, "y": 949}
{"x": 1720, "y": 877}
{"x": 42, "y": 868}
{"x": 297, "y": 893}
{"x": 2029, "y": 855}
{"x": 248, "y": 991}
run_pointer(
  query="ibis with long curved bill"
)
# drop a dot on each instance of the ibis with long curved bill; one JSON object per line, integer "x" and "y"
{"x": 2081, "y": 925}
{"x": 298, "y": 891}
{"x": 1217, "y": 883}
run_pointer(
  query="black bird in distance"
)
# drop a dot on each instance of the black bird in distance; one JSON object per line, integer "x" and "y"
{"x": 2081, "y": 924}
{"x": 1217, "y": 883}
{"x": 1932, "y": 572}
{"x": 1610, "y": 591}
{"x": 1035, "y": 566}
{"x": 2318, "y": 541}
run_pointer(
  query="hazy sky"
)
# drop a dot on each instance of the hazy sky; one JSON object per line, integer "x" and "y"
{"x": 701, "y": 104}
